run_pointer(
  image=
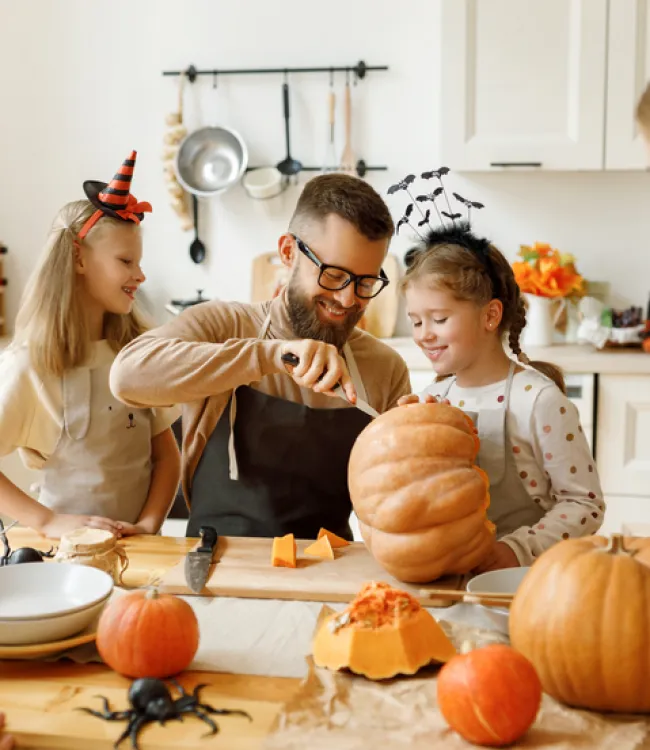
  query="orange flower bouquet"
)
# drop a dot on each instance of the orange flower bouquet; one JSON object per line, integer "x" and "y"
{"x": 545, "y": 272}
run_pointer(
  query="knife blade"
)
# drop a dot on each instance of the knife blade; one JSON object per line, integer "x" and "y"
{"x": 360, "y": 404}
{"x": 198, "y": 562}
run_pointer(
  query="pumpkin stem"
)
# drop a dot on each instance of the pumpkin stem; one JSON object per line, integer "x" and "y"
{"x": 616, "y": 546}
{"x": 152, "y": 593}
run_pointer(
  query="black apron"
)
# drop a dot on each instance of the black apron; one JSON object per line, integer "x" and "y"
{"x": 292, "y": 467}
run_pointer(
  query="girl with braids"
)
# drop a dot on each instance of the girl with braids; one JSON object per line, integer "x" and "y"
{"x": 462, "y": 300}
{"x": 103, "y": 465}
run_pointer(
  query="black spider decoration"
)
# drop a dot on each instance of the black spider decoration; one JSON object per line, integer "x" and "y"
{"x": 151, "y": 701}
{"x": 21, "y": 555}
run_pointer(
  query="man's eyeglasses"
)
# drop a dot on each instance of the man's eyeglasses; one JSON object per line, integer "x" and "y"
{"x": 333, "y": 278}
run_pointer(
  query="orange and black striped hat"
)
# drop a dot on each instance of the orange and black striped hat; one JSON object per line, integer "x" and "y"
{"x": 114, "y": 198}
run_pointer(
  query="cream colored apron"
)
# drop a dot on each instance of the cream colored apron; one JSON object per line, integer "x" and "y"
{"x": 511, "y": 505}
{"x": 102, "y": 462}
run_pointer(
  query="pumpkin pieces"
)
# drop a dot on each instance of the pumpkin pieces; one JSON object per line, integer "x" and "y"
{"x": 147, "y": 634}
{"x": 321, "y": 548}
{"x": 283, "y": 552}
{"x": 335, "y": 541}
{"x": 383, "y": 632}
{"x": 420, "y": 499}
{"x": 489, "y": 695}
{"x": 581, "y": 617}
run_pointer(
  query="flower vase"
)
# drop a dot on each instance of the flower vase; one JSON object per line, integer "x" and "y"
{"x": 539, "y": 321}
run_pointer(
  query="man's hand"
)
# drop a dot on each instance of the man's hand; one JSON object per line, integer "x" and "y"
{"x": 500, "y": 556}
{"x": 320, "y": 367}
{"x": 63, "y": 523}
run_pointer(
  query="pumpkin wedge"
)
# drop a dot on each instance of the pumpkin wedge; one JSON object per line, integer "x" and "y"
{"x": 283, "y": 552}
{"x": 321, "y": 548}
{"x": 383, "y": 632}
{"x": 335, "y": 540}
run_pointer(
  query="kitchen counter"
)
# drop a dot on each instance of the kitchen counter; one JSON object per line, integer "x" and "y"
{"x": 571, "y": 358}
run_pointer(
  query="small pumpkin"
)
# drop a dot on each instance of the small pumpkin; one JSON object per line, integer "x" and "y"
{"x": 420, "y": 500}
{"x": 147, "y": 634}
{"x": 489, "y": 695}
{"x": 581, "y": 616}
{"x": 383, "y": 632}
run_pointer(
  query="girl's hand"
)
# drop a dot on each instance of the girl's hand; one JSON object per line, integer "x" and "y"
{"x": 7, "y": 741}
{"x": 413, "y": 398}
{"x": 131, "y": 529}
{"x": 62, "y": 523}
{"x": 500, "y": 556}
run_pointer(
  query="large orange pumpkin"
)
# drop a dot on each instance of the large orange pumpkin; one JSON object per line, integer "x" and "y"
{"x": 383, "y": 632}
{"x": 581, "y": 616}
{"x": 146, "y": 634}
{"x": 490, "y": 695}
{"x": 420, "y": 500}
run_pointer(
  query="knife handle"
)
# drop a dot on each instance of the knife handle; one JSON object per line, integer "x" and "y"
{"x": 209, "y": 539}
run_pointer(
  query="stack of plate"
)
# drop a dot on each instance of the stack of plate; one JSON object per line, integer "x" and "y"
{"x": 44, "y": 603}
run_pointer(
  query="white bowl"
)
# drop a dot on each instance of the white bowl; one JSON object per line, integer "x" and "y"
{"x": 45, "y": 601}
{"x": 263, "y": 183}
{"x": 505, "y": 581}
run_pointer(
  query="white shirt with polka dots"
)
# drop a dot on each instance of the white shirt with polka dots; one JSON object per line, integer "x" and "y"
{"x": 551, "y": 454}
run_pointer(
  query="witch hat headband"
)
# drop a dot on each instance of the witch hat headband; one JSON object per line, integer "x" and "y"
{"x": 114, "y": 198}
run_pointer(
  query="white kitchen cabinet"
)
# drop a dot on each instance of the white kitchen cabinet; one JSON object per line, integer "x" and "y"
{"x": 628, "y": 71}
{"x": 623, "y": 452}
{"x": 550, "y": 86}
{"x": 523, "y": 84}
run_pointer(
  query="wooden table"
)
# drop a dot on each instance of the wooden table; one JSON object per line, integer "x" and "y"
{"x": 40, "y": 698}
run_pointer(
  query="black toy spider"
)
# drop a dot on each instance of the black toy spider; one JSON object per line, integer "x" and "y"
{"x": 22, "y": 554}
{"x": 152, "y": 701}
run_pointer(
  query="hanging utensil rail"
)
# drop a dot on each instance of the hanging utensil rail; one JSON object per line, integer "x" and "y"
{"x": 359, "y": 70}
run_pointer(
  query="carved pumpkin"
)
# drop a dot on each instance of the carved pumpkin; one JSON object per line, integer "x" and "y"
{"x": 420, "y": 500}
{"x": 581, "y": 617}
{"x": 490, "y": 695}
{"x": 146, "y": 634}
{"x": 383, "y": 632}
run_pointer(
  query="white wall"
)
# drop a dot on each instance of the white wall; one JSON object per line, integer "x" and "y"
{"x": 81, "y": 84}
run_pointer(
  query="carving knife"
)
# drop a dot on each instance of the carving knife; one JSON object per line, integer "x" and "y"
{"x": 292, "y": 360}
{"x": 198, "y": 562}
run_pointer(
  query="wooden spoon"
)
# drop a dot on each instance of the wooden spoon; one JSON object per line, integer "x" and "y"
{"x": 347, "y": 157}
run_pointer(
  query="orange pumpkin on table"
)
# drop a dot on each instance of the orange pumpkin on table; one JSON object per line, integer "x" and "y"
{"x": 489, "y": 695}
{"x": 581, "y": 616}
{"x": 146, "y": 634}
{"x": 420, "y": 500}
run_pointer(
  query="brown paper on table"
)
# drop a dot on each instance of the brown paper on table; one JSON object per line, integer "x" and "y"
{"x": 349, "y": 712}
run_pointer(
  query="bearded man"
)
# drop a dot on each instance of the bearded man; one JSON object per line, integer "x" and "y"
{"x": 266, "y": 443}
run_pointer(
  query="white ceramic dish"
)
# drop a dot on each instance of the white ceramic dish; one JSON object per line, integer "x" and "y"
{"x": 48, "y": 629}
{"x": 32, "y": 591}
{"x": 504, "y": 581}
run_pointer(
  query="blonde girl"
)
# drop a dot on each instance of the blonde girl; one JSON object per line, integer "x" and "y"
{"x": 102, "y": 464}
{"x": 462, "y": 301}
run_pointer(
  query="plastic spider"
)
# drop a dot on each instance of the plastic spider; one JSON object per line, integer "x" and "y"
{"x": 152, "y": 701}
{"x": 22, "y": 554}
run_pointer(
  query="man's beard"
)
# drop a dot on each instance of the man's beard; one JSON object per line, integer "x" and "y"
{"x": 306, "y": 324}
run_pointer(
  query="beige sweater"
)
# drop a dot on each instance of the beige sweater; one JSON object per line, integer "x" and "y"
{"x": 198, "y": 359}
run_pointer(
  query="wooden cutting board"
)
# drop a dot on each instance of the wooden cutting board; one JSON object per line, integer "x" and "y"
{"x": 244, "y": 570}
{"x": 40, "y": 701}
{"x": 380, "y": 319}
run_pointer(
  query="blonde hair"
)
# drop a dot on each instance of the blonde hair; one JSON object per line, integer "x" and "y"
{"x": 643, "y": 110}
{"x": 51, "y": 320}
{"x": 461, "y": 272}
